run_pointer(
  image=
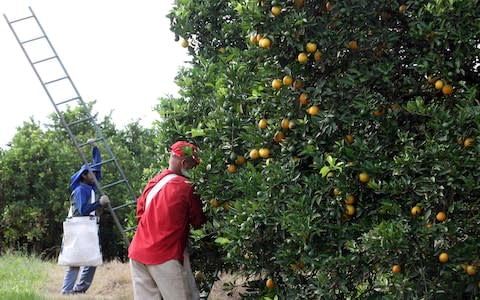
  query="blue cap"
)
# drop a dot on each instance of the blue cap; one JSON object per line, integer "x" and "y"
{"x": 75, "y": 179}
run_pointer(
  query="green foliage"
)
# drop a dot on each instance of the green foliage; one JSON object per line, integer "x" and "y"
{"x": 279, "y": 216}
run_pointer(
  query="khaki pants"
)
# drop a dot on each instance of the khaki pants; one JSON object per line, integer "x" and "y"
{"x": 169, "y": 280}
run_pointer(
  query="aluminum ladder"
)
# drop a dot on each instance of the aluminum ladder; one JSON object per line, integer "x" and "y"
{"x": 60, "y": 89}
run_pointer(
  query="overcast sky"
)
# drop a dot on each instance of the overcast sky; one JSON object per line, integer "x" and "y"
{"x": 120, "y": 53}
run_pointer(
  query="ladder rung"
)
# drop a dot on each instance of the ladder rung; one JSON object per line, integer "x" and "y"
{"x": 68, "y": 100}
{"x": 123, "y": 205}
{"x": 52, "y": 81}
{"x": 113, "y": 184}
{"x": 18, "y": 20}
{"x": 34, "y": 39}
{"x": 79, "y": 121}
{"x": 42, "y": 60}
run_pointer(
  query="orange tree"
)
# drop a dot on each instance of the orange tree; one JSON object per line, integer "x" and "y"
{"x": 339, "y": 144}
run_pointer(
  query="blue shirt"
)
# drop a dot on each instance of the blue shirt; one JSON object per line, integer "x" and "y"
{"x": 82, "y": 192}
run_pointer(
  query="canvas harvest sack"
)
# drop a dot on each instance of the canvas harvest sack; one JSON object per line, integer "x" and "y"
{"x": 80, "y": 243}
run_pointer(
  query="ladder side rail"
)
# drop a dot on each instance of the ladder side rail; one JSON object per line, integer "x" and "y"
{"x": 62, "y": 119}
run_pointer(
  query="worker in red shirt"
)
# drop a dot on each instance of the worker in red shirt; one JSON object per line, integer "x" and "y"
{"x": 165, "y": 211}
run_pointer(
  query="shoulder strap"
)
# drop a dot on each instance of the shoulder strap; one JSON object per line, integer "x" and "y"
{"x": 157, "y": 188}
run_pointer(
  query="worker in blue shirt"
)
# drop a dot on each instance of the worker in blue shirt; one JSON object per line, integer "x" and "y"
{"x": 83, "y": 187}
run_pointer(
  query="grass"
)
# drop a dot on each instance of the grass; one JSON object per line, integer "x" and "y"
{"x": 21, "y": 277}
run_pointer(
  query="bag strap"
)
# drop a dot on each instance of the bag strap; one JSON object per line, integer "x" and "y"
{"x": 158, "y": 186}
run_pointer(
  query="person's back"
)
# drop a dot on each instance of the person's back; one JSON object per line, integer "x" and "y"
{"x": 158, "y": 250}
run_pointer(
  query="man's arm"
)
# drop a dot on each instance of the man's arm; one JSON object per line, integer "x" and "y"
{"x": 197, "y": 217}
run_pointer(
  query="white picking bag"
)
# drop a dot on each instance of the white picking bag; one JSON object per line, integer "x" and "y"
{"x": 80, "y": 243}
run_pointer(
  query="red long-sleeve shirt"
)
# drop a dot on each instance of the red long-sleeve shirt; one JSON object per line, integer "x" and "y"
{"x": 163, "y": 227}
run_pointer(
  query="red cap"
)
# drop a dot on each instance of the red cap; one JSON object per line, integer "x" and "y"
{"x": 185, "y": 149}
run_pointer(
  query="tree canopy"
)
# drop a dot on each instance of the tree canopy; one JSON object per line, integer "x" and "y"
{"x": 339, "y": 144}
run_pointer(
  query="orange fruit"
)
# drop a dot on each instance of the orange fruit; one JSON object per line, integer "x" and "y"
{"x": 431, "y": 79}
{"x": 416, "y": 210}
{"x": 254, "y": 154}
{"x": 240, "y": 160}
{"x": 231, "y": 168}
{"x": 287, "y": 80}
{"x": 353, "y": 45}
{"x": 276, "y": 10}
{"x": 378, "y": 113}
{"x": 302, "y": 58}
{"x": 311, "y": 47}
{"x": 349, "y": 210}
{"x": 350, "y": 199}
{"x": 336, "y": 192}
{"x": 402, "y": 9}
{"x": 443, "y": 257}
{"x": 299, "y": 3}
{"x": 285, "y": 124}
{"x": 303, "y": 99}
{"x": 447, "y": 90}
{"x": 214, "y": 203}
{"x": 313, "y": 110}
{"x": 269, "y": 284}
{"x": 468, "y": 142}
{"x": 329, "y": 6}
{"x": 265, "y": 43}
{"x": 396, "y": 269}
{"x": 276, "y": 84}
{"x": 253, "y": 39}
{"x": 438, "y": 84}
{"x": 363, "y": 177}
{"x": 349, "y": 138}
{"x": 471, "y": 270}
{"x": 317, "y": 56}
{"x": 264, "y": 152}
{"x": 298, "y": 84}
{"x": 226, "y": 205}
{"x": 184, "y": 43}
{"x": 262, "y": 124}
{"x": 279, "y": 136}
{"x": 441, "y": 216}
{"x": 395, "y": 107}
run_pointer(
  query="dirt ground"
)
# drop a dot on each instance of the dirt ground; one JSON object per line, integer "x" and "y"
{"x": 112, "y": 282}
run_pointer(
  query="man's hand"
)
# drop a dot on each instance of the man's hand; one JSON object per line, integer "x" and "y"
{"x": 104, "y": 200}
{"x": 92, "y": 142}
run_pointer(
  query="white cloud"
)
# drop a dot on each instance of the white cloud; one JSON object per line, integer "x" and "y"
{"x": 121, "y": 54}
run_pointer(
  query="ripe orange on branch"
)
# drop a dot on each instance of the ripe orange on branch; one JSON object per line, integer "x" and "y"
{"x": 302, "y": 58}
{"x": 264, "y": 152}
{"x": 311, "y": 47}
{"x": 416, "y": 210}
{"x": 276, "y": 10}
{"x": 443, "y": 257}
{"x": 287, "y": 80}
{"x": 353, "y": 45}
{"x": 262, "y": 124}
{"x": 265, "y": 43}
{"x": 396, "y": 269}
{"x": 441, "y": 216}
{"x": 276, "y": 84}
{"x": 269, "y": 284}
{"x": 313, "y": 110}
{"x": 363, "y": 177}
